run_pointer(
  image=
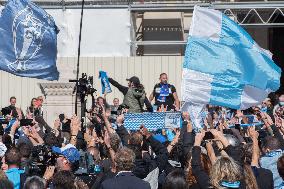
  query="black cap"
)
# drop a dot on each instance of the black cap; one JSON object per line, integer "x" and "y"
{"x": 135, "y": 80}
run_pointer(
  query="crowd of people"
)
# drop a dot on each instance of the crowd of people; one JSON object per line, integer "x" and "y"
{"x": 235, "y": 149}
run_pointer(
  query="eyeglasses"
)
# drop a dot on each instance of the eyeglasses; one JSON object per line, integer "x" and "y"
{"x": 60, "y": 156}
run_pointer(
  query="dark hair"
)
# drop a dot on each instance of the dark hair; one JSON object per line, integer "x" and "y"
{"x": 63, "y": 180}
{"x": 25, "y": 150}
{"x": 51, "y": 140}
{"x": 124, "y": 159}
{"x": 35, "y": 182}
{"x": 246, "y": 154}
{"x": 135, "y": 141}
{"x": 12, "y": 97}
{"x": 176, "y": 180}
{"x": 271, "y": 143}
{"x": 163, "y": 74}
{"x": 7, "y": 140}
{"x": 100, "y": 98}
{"x": 13, "y": 156}
{"x": 136, "y": 138}
{"x": 5, "y": 183}
{"x": 115, "y": 141}
{"x": 32, "y": 102}
{"x": 280, "y": 166}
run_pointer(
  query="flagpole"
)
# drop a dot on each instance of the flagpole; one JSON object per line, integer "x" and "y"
{"x": 78, "y": 60}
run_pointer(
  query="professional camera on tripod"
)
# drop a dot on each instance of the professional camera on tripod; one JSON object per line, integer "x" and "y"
{"x": 84, "y": 87}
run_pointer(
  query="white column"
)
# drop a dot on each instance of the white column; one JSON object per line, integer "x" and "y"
{"x": 59, "y": 98}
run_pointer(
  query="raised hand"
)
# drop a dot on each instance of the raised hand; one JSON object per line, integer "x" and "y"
{"x": 75, "y": 125}
{"x": 175, "y": 140}
{"x": 253, "y": 133}
{"x": 49, "y": 172}
{"x": 198, "y": 138}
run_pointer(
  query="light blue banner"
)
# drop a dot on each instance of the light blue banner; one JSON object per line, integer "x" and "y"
{"x": 153, "y": 121}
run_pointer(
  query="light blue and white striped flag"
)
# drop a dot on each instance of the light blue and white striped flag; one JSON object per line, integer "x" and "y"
{"x": 224, "y": 66}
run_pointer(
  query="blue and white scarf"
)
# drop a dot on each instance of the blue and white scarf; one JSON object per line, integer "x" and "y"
{"x": 273, "y": 153}
{"x": 164, "y": 92}
{"x": 104, "y": 82}
{"x": 231, "y": 184}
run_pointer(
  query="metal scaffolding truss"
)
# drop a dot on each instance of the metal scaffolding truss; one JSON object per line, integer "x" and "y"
{"x": 254, "y": 14}
{"x": 266, "y": 18}
{"x": 248, "y": 14}
{"x": 257, "y": 13}
{"x": 244, "y": 13}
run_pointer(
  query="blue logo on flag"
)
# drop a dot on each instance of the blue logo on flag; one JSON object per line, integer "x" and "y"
{"x": 29, "y": 45}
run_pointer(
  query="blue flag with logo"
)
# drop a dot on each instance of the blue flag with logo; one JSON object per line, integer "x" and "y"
{"x": 28, "y": 46}
{"x": 224, "y": 66}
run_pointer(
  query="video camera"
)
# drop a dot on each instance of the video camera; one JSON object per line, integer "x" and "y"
{"x": 85, "y": 85}
{"x": 41, "y": 157}
{"x": 5, "y": 111}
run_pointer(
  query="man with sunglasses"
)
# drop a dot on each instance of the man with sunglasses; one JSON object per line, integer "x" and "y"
{"x": 67, "y": 160}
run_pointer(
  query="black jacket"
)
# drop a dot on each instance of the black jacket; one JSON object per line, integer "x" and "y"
{"x": 124, "y": 90}
{"x": 123, "y": 134}
{"x": 125, "y": 180}
{"x": 144, "y": 166}
{"x": 201, "y": 176}
{"x": 264, "y": 178}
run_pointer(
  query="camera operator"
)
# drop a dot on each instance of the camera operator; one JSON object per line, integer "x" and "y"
{"x": 67, "y": 160}
{"x": 134, "y": 95}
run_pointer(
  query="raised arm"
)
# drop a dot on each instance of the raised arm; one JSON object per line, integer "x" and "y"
{"x": 255, "y": 148}
{"x": 159, "y": 149}
{"x": 120, "y": 87}
{"x": 198, "y": 171}
{"x": 151, "y": 97}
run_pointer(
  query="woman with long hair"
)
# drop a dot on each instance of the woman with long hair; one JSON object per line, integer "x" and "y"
{"x": 190, "y": 178}
{"x": 226, "y": 173}
{"x": 255, "y": 176}
{"x": 31, "y": 108}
